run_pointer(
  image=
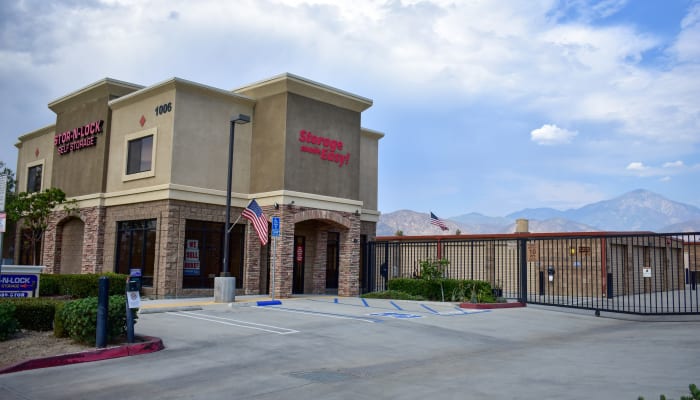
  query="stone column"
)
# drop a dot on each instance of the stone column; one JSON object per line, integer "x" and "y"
{"x": 252, "y": 260}
{"x": 349, "y": 263}
{"x": 284, "y": 257}
{"x": 168, "y": 253}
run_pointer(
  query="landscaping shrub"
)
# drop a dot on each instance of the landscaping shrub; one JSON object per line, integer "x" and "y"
{"x": 34, "y": 313}
{"x": 49, "y": 284}
{"x": 470, "y": 291}
{"x": 8, "y": 323}
{"x": 391, "y": 294}
{"x": 59, "y": 329}
{"x": 80, "y": 285}
{"x": 80, "y": 318}
{"x": 455, "y": 289}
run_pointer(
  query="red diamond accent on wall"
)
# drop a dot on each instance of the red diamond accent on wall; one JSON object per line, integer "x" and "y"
{"x": 36, "y": 152}
{"x": 142, "y": 121}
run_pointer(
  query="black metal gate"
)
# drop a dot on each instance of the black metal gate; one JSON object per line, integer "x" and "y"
{"x": 627, "y": 273}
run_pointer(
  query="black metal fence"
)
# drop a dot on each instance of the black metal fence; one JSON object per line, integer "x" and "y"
{"x": 629, "y": 273}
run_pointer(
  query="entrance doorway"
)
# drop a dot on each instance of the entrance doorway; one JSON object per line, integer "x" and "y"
{"x": 299, "y": 255}
{"x": 332, "y": 256}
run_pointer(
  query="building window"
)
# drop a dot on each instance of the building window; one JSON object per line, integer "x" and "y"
{"x": 136, "y": 248}
{"x": 34, "y": 178}
{"x": 140, "y": 155}
{"x": 204, "y": 253}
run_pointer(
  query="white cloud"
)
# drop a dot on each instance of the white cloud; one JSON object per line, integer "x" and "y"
{"x": 672, "y": 168}
{"x": 552, "y": 135}
{"x": 674, "y": 164}
{"x": 636, "y": 166}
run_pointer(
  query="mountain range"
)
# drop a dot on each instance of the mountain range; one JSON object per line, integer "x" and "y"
{"x": 638, "y": 210}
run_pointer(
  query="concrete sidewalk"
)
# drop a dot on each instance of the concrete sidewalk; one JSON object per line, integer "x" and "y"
{"x": 198, "y": 303}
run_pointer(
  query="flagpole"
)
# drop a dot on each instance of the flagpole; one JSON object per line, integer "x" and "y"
{"x": 235, "y": 222}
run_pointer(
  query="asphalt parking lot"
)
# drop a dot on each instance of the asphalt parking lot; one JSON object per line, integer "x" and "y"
{"x": 339, "y": 348}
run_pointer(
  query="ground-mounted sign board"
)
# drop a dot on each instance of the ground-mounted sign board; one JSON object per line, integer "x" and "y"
{"x": 20, "y": 281}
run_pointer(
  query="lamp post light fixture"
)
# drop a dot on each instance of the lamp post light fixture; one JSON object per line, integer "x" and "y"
{"x": 235, "y": 120}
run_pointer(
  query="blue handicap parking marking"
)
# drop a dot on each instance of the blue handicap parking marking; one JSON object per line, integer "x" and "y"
{"x": 396, "y": 315}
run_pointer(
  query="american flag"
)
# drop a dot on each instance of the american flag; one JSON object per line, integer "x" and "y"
{"x": 437, "y": 222}
{"x": 255, "y": 215}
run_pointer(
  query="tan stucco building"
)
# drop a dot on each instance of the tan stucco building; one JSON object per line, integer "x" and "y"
{"x": 148, "y": 168}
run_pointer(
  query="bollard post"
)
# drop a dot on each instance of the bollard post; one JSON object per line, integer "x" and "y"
{"x": 129, "y": 323}
{"x": 102, "y": 312}
{"x": 133, "y": 299}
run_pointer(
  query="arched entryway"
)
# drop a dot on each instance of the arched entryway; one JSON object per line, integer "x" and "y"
{"x": 314, "y": 246}
{"x": 324, "y": 244}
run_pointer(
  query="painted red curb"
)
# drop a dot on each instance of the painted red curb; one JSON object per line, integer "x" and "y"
{"x": 490, "y": 306}
{"x": 149, "y": 345}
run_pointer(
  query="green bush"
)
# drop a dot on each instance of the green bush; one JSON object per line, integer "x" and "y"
{"x": 391, "y": 294}
{"x": 34, "y": 313}
{"x": 59, "y": 329}
{"x": 80, "y": 319}
{"x": 80, "y": 285}
{"x": 454, "y": 289}
{"x": 8, "y": 322}
{"x": 50, "y": 284}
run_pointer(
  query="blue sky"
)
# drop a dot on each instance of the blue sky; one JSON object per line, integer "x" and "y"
{"x": 487, "y": 106}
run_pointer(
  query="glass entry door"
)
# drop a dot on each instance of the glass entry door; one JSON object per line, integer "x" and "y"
{"x": 332, "y": 257}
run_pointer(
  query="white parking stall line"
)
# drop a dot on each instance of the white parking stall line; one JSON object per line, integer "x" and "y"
{"x": 234, "y": 322}
{"x": 424, "y": 309}
{"x": 323, "y": 314}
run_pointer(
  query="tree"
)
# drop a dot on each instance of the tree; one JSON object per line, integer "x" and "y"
{"x": 434, "y": 270}
{"x": 34, "y": 210}
{"x": 4, "y": 170}
{"x": 9, "y": 195}
{"x": 398, "y": 233}
{"x": 458, "y": 232}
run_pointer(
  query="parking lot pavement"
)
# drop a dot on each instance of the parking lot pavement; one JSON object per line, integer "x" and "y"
{"x": 337, "y": 348}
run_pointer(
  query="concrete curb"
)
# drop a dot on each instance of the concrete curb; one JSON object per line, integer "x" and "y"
{"x": 149, "y": 345}
{"x": 490, "y": 306}
{"x": 155, "y": 310}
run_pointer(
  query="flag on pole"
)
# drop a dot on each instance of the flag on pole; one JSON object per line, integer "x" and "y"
{"x": 437, "y": 222}
{"x": 255, "y": 215}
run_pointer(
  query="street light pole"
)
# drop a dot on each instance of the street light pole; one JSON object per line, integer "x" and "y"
{"x": 240, "y": 120}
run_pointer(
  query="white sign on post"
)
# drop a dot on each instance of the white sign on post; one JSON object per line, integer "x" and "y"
{"x": 133, "y": 299}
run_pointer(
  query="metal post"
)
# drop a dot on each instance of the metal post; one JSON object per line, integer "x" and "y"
{"x": 272, "y": 273}
{"x": 386, "y": 262}
{"x": 523, "y": 270}
{"x": 102, "y": 312}
{"x": 129, "y": 324}
{"x": 1, "y": 257}
{"x": 227, "y": 233}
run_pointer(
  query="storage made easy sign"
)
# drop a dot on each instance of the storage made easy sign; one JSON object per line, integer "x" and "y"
{"x": 19, "y": 285}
